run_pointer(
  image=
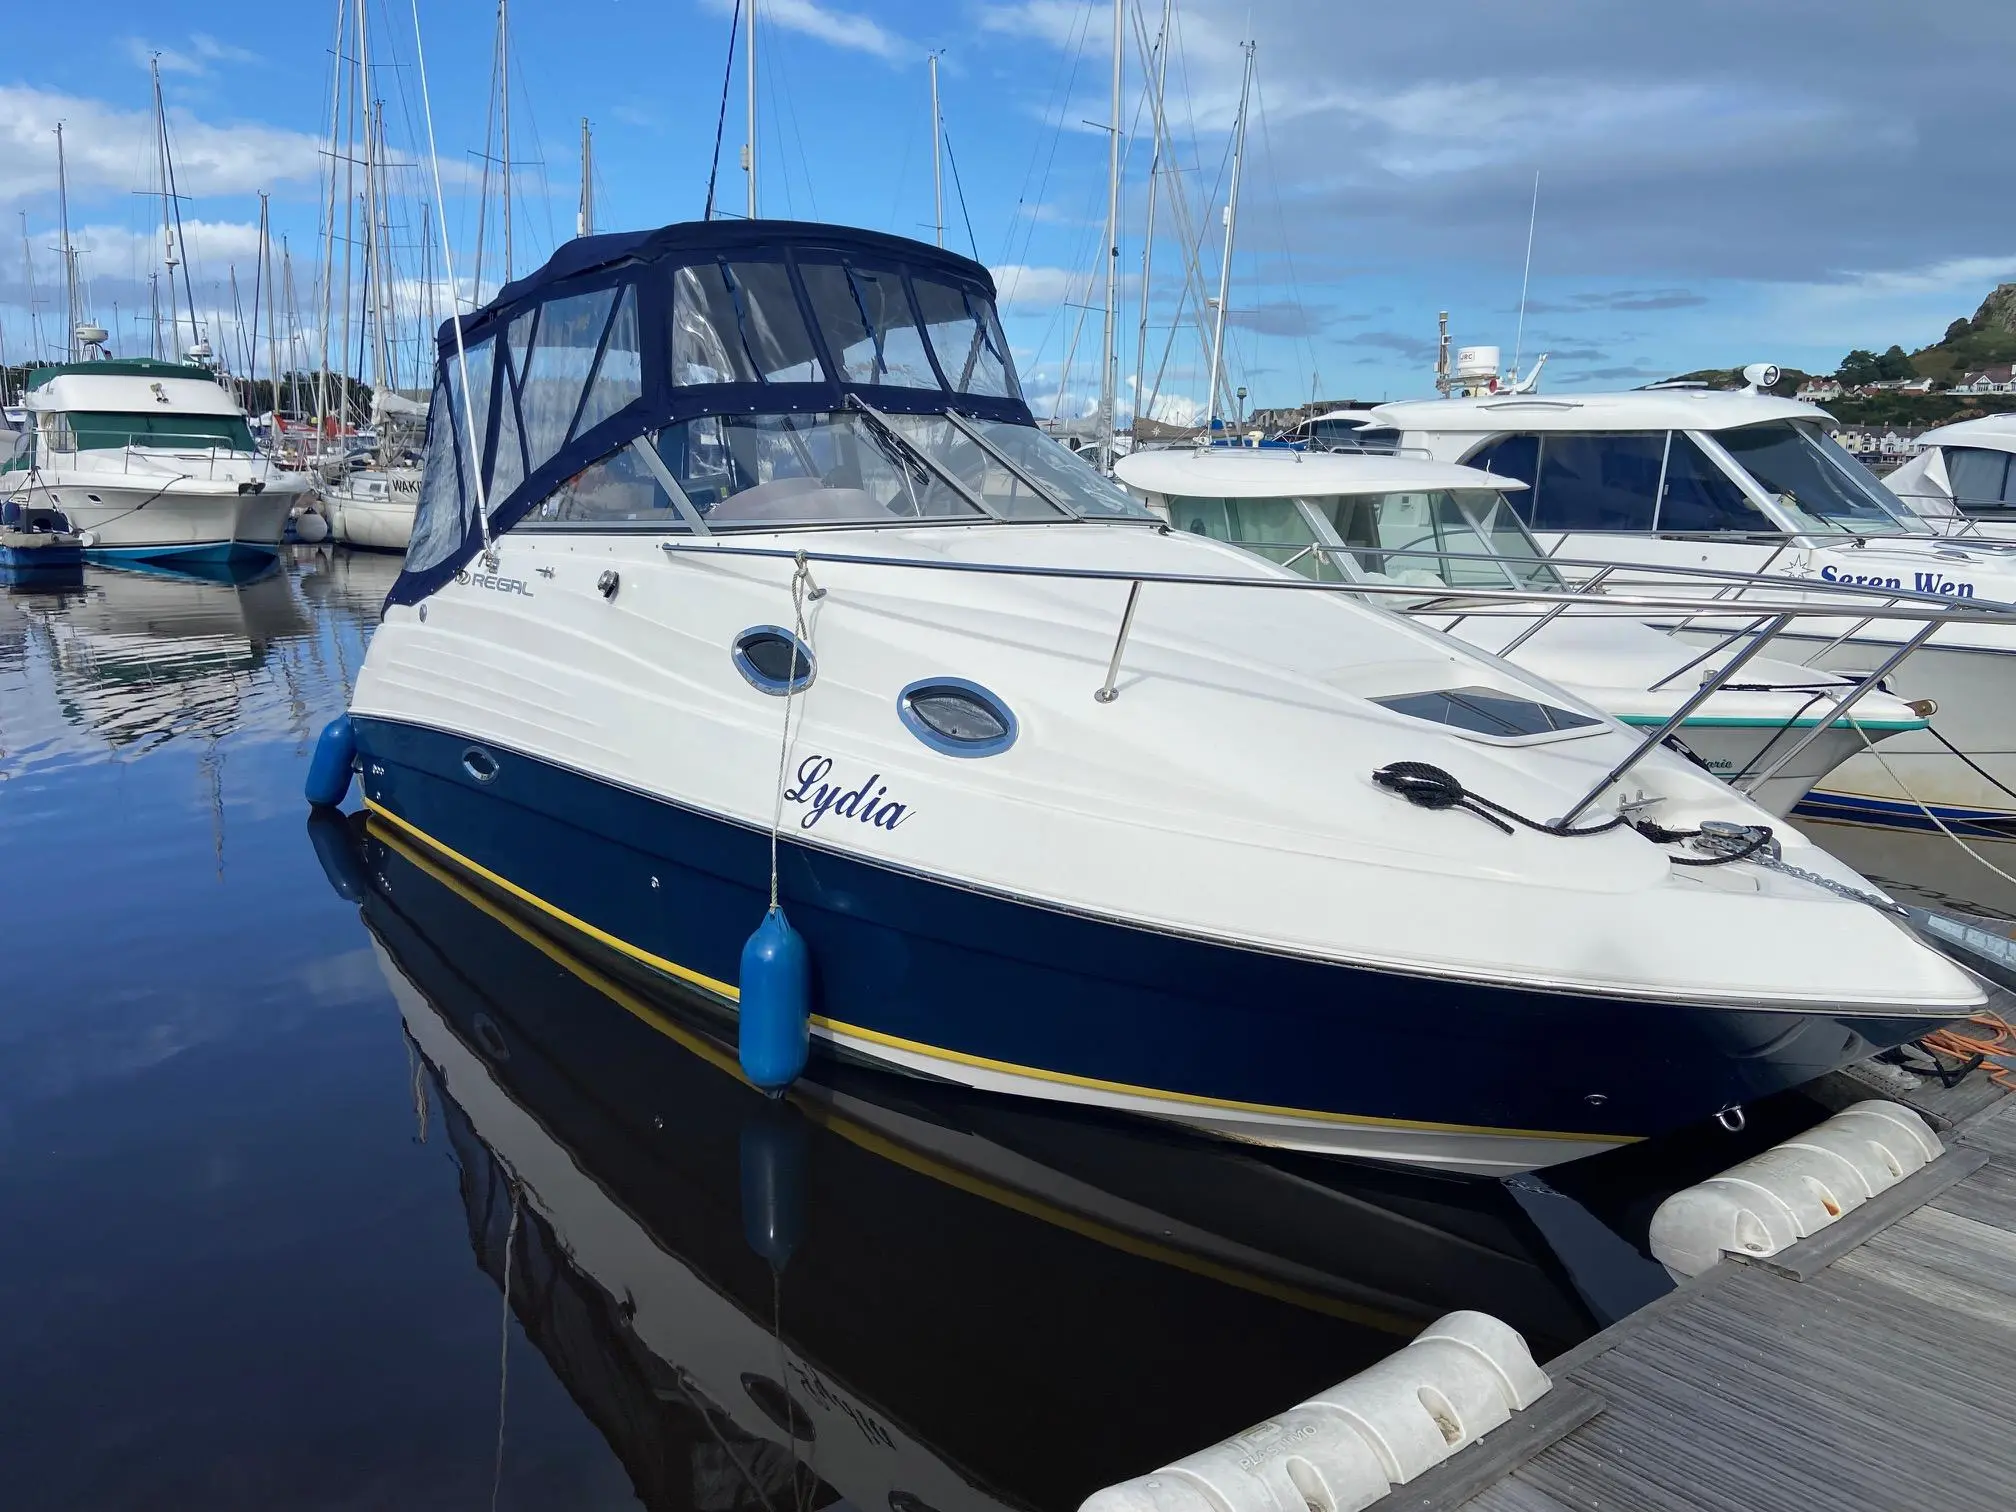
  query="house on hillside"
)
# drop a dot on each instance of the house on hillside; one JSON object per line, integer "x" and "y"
{"x": 1996, "y": 378}
{"x": 1818, "y": 390}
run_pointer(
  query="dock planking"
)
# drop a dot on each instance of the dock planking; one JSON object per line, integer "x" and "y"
{"x": 1870, "y": 1376}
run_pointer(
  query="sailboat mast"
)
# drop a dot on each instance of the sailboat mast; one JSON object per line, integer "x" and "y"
{"x": 171, "y": 211}
{"x": 504, "y": 96}
{"x": 1148, "y": 230}
{"x": 34, "y": 301}
{"x": 323, "y": 273}
{"x": 69, "y": 252}
{"x": 749, "y": 147}
{"x": 1231, "y": 231}
{"x": 1107, "y": 348}
{"x": 272, "y": 309}
{"x": 937, "y": 154}
{"x": 356, "y": 72}
{"x": 584, "y": 217}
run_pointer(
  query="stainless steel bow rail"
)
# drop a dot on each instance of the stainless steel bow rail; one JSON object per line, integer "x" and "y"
{"x": 1927, "y": 610}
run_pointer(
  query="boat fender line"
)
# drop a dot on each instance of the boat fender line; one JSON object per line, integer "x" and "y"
{"x": 1345, "y": 1448}
{"x": 773, "y": 1032}
{"x": 774, "y": 1146}
{"x": 1430, "y": 787}
{"x": 330, "y": 767}
{"x": 1792, "y": 1190}
{"x": 335, "y": 845}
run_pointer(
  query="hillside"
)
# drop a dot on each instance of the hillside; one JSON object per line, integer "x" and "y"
{"x": 1967, "y": 346}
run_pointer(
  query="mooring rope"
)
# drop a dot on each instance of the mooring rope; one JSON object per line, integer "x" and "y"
{"x": 802, "y": 587}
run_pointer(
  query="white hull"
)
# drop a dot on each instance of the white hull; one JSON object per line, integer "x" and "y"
{"x": 143, "y": 514}
{"x": 364, "y": 512}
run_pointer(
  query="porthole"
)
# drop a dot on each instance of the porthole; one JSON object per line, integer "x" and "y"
{"x": 957, "y": 717}
{"x": 773, "y": 660}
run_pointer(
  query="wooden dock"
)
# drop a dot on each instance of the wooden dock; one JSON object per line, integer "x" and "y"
{"x": 1870, "y": 1368}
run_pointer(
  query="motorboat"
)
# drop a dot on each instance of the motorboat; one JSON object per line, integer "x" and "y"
{"x": 1964, "y": 481}
{"x": 1661, "y": 485}
{"x": 702, "y": 1266}
{"x": 757, "y": 552}
{"x": 1342, "y": 513}
{"x": 152, "y": 461}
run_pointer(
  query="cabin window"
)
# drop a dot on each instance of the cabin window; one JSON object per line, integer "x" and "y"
{"x": 739, "y": 322}
{"x": 1608, "y": 483}
{"x": 507, "y": 452}
{"x": 773, "y": 660}
{"x": 1273, "y": 528}
{"x": 966, "y": 339}
{"x": 1512, "y": 457}
{"x": 557, "y": 369}
{"x": 869, "y": 328}
{"x": 619, "y": 375}
{"x": 93, "y": 430}
{"x": 1699, "y": 496}
{"x": 1981, "y": 479}
{"x": 1488, "y": 712}
{"x": 956, "y": 717}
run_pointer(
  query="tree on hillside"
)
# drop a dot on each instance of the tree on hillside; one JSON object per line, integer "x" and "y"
{"x": 1958, "y": 329}
{"x": 1893, "y": 365}
{"x": 1858, "y": 367}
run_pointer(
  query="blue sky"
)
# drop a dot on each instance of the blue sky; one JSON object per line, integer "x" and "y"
{"x": 1719, "y": 182}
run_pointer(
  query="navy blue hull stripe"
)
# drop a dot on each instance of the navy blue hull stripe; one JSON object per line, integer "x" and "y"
{"x": 983, "y": 978}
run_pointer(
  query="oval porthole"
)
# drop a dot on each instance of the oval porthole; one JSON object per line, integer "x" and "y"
{"x": 480, "y": 764}
{"x": 773, "y": 660}
{"x": 957, "y": 717}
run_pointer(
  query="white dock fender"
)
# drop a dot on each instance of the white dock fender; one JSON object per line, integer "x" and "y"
{"x": 1345, "y": 1448}
{"x": 1793, "y": 1189}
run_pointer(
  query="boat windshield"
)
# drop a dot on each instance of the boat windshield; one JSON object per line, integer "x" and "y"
{"x": 1816, "y": 481}
{"x": 838, "y": 468}
{"x": 109, "y": 430}
{"x": 1450, "y": 538}
{"x": 998, "y": 461}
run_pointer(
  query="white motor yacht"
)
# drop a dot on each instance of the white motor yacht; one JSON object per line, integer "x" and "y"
{"x": 1667, "y": 480}
{"x": 1964, "y": 481}
{"x": 738, "y": 541}
{"x": 151, "y": 461}
{"x": 1346, "y": 515}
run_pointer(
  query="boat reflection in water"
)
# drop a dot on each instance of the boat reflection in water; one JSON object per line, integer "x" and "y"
{"x": 884, "y": 1290}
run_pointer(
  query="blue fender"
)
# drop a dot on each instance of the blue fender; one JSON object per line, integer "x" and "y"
{"x": 774, "y": 1033}
{"x": 329, "y": 768}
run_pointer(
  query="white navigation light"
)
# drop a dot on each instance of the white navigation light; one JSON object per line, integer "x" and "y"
{"x": 1761, "y": 375}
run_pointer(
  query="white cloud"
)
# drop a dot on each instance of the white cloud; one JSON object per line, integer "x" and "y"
{"x": 833, "y": 27}
{"x": 195, "y": 60}
{"x": 1020, "y": 285}
{"x": 111, "y": 149}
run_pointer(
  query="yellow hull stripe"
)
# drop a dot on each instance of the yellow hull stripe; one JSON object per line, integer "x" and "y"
{"x": 980, "y": 1062}
{"x": 881, "y": 1145}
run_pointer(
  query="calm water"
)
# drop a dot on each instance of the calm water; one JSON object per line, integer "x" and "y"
{"x": 385, "y": 1200}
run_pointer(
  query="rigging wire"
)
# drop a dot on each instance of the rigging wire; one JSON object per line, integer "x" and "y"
{"x": 721, "y": 120}
{"x": 960, "y": 189}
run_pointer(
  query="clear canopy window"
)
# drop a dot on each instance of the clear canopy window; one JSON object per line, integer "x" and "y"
{"x": 739, "y": 322}
{"x": 1823, "y": 487}
{"x": 869, "y": 328}
{"x": 966, "y": 339}
{"x": 1698, "y": 496}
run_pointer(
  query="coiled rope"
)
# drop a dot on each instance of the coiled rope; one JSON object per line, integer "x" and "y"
{"x": 1430, "y": 787}
{"x": 1993, "y": 1049}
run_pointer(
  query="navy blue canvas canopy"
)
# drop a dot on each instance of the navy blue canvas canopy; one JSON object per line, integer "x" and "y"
{"x": 625, "y": 335}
